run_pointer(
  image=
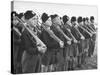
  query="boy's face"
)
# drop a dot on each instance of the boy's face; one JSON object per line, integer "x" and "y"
{"x": 48, "y": 22}
{"x": 81, "y": 23}
{"x": 92, "y": 21}
{"x": 86, "y": 22}
{"x": 74, "y": 22}
{"x": 15, "y": 21}
{"x": 33, "y": 21}
{"x": 57, "y": 20}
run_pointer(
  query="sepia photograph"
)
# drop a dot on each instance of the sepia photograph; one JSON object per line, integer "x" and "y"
{"x": 53, "y": 37}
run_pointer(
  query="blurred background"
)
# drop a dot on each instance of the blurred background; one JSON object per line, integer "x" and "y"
{"x": 60, "y": 9}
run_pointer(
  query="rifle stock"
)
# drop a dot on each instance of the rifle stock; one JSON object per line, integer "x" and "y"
{"x": 38, "y": 41}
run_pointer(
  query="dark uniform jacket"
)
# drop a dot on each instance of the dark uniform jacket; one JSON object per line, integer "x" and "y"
{"x": 65, "y": 27}
{"x": 50, "y": 56}
{"x": 75, "y": 33}
{"x": 29, "y": 42}
{"x": 48, "y": 40}
{"x": 85, "y": 34}
{"x": 15, "y": 44}
{"x": 57, "y": 33}
{"x": 31, "y": 59}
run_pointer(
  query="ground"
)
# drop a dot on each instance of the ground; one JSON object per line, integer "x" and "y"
{"x": 91, "y": 62}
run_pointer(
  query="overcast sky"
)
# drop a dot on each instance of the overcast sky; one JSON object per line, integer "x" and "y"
{"x": 60, "y": 9}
